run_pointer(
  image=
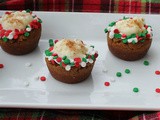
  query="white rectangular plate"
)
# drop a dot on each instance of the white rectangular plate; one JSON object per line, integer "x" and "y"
{"x": 19, "y": 88}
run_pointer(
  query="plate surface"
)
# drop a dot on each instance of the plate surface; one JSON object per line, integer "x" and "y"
{"x": 20, "y": 88}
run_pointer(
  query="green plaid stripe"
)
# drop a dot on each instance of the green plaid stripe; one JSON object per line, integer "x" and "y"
{"x": 112, "y": 6}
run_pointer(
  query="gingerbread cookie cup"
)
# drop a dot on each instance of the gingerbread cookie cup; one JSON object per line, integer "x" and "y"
{"x": 70, "y": 61}
{"x": 20, "y": 32}
{"x": 129, "y": 38}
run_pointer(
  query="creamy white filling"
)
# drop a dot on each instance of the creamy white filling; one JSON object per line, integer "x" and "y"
{"x": 16, "y": 20}
{"x": 70, "y": 48}
{"x": 130, "y": 26}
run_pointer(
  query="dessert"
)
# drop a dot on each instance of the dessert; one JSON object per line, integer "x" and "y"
{"x": 20, "y": 32}
{"x": 129, "y": 38}
{"x": 70, "y": 61}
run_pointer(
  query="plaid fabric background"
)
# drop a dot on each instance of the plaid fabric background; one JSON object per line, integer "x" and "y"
{"x": 108, "y": 6}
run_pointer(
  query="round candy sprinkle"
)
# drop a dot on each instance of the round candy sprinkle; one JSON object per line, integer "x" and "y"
{"x": 36, "y": 78}
{"x": 146, "y": 63}
{"x": 26, "y": 34}
{"x": 107, "y": 84}
{"x": 83, "y": 64}
{"x": 157, "y": 72}
{"x": 67, "y": 68}
{"x": 118, "y": 74}
{"x": 26, "y": 83}
{"x": 43, "y": 78}
{"x": 112, "y": 79}
{"x": 135, "y": 89}
{"x": 28, "y": 64}
{"x": 127, "y": 71}
{"x": 157, "y": 90}
{"x": 1, "y": 65}
{"x": 104, "y": 70}
{"x": 51, "y": 42}
{"x": 55, "y": 41}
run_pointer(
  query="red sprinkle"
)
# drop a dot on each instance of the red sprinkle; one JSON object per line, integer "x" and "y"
{"x": 146, "y": 26}
{"x": 124, "y": 35}
{"x": 54, "y": 54}
{"x": 8, "y": 13}
{"x": 77, "y": 64}
{"x": 116, "y": 31}
{"x": 157, "y": 90}
{"x": 59, "y": 59}
{"x": 96, "y": 55}
{"x": 1, "y": 27}
{"x": 53, "y": 62}
{"x": 107, "y": 84}
{"x": 15, "y": 36}
{"x": 157, "y": 72}
{"x": 55, "y": 41}
{"x": 51, "y": 48}
{"x": 43, "y": 78}
{"x": 1, "y": 65}
{"x": 78, "y": 60}
{"x": 148, "y": 35}
{"x": 63, "y": 64}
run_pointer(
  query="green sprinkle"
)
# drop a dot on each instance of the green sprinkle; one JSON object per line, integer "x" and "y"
{"x": 27, "y": 26}
{"x": 72, "y": 64}
{"x": 139, "y": 34}
{"x": 55, "y": 57}
{"x": 87, "y": 55}
{"x": 145, "y": 31}
{"x": 118, "y": 74}
{"x": 28, "y": 10}
{"x": 26, "y": 34}
{"x": 112, "y": 24}
{"x": 60, "y": 64}
{"x": 143, "y": 34}
{"x": 105, "y": 30}
{"x": 133, "y": 42}
{"x": 93, "y": 58}
{"x": 135, "y": 89}
{"x": 133, "y": 35}
{"x": 48, "y": 53}
{"x": 142, "y": 40}
{"x": 146, "y": 63}
{"x": 124, "y": 41}
{"x": 92, "y": 46}
{"x": 39, "y": 20}
{"x": 129, "y": 36}
{"x": 64, "y": 57}
{"x": 125, "y": 18}
{"x": 5, "y": 39}
{"x": 117, "y": 35}
{"x": 51, "y": 43}
{"x": 84, "y": 59}
{"x": 67, "y": 61}
{"x": 127, "y": 71}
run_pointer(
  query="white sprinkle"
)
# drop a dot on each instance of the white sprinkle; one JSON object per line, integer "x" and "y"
{"x": 111, "y": 35}
{"x": 26, "y": 83}
{"x": 36, "y": 78}
{"x": 28, "y": 29}
{"x": 10, "y": 37}
{"x": 50, "y": 58}
{"x": 90, "y": 61}
{"x": 68, "y": 68}
{"x": 83, "y": 64}
{"x": 104, "y": 70}
{"x": 28, "y": 64}
{"x": 112, "y": 79}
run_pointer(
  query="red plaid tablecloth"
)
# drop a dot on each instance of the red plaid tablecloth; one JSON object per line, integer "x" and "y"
{"x": 111, "y": 6}
{"x": 107, "y": 6}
